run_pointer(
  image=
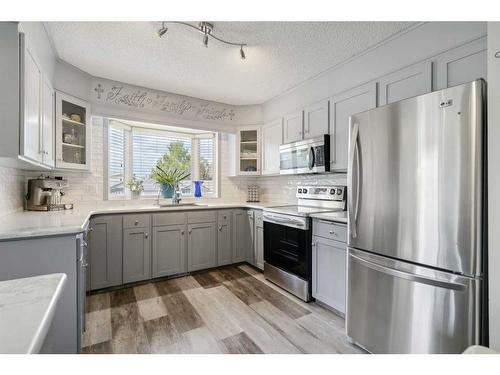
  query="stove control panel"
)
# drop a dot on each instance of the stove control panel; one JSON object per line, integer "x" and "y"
{"x": 332, "y": 193}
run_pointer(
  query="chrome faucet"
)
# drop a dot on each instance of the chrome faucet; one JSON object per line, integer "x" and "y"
{"x": 176, "y": 199}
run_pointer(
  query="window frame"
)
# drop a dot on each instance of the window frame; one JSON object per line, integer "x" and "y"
{"x": 128, "y": 157}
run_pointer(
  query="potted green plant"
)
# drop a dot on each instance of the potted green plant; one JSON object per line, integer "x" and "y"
{"x": 168, "y": 178}
{"x": 136, "y": 187}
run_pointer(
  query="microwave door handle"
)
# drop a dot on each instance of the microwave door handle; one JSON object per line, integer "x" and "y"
{"x": 312, "y": 158}
{"x": 353, "y": 203}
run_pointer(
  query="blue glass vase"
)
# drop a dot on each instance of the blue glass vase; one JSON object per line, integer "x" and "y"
{"x": 197, "y": 188}
{"x": 167, "y": 191}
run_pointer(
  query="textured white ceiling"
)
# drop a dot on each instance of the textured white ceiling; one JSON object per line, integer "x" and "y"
{"x": 280, "y": 55}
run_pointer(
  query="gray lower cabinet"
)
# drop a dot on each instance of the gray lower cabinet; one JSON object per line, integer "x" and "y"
{"x": 242, "y": 235}
{"x": 202, "y": 249}
{"x": 329, "y": 272}
{"x": 169, "y": 250}
{"x": 224, "y": 248}
{"x": 136, "y": 254}
{"x": 259, "y": 247}
{"x": 258, "y": 239}
{"x": 105, "y": 251}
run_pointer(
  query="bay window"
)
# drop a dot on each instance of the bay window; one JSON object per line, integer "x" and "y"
{"x": 134, "y": 149}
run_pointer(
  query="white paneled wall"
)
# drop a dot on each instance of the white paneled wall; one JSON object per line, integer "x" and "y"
{"x": 11, "y": 190}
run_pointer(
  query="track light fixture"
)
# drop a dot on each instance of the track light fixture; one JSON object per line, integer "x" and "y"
{"x": 163, "y": 30}
{"x": 207, "y": 29}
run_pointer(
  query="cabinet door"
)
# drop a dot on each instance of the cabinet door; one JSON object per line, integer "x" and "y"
{"x": 105, "y": 251}
{"x": 293, "y": 127}
{"x": 250, "y": 232}
{"x": 202, "y": 250}
{"x": 73, "y": 135}
{"x": 272, "y": 138}
{"x": 31, "y": 102}
{"x": 316, "y": 120}
{"x": 224, "y": 248}
{"x": 329, "y": 272}
{"x": 342, "y": 106}
{"x": 406, "y": 83}
{"x": 259, "y": 247}
{"x": 136, "y": 255}
{"x": 242, "y": 235}
{"x": 169, "y": 250}
{"x": 461, "y": 65}
{"x": 48, "y": 123}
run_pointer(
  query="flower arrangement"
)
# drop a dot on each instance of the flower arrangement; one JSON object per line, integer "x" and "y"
{"x": 136, "y": 186}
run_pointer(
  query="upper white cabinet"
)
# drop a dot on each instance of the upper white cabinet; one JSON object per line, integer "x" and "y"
{"x": 316, "y": 119}
{"x": 272, "y": 138}
{"x": 463, "y": 64}
{"x": 248, "y": 151}
{"x": 343, "y": 106}
{"x": 26, "y": 103}
{"x": 406, "y": 83}
{"x": 293, "y": 127}
{"x": 72, "y": 132}
{"x": 31, "y": 101}
{"x": 48, "y": 123}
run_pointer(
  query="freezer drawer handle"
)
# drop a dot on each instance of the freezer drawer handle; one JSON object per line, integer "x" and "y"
{"x": 410, "y": 276}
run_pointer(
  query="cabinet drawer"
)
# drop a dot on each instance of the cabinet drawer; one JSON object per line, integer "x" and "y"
{"x": 330, "y": 230}
{"x": 258, "y": 219}
{"x": 169, "y": 218}
{"x": 136, "y": 221}
{"x": 202, "y": 217}
{"x": 224, "y": 216}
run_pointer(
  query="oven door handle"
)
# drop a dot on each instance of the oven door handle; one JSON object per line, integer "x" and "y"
{"x": 283, "y": 220}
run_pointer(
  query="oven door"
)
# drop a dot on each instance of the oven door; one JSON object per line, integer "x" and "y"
{"x": 288, "y": 248}
{"x": 309, "y": 156}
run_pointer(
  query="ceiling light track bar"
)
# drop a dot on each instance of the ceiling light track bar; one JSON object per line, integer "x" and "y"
{"x": 206, "y": 29}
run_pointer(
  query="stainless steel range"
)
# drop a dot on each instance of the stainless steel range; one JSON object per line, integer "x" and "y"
{"x": 287, "y": 236}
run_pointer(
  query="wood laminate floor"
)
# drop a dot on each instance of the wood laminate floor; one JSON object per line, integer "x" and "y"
{"x": 227, "y": 310}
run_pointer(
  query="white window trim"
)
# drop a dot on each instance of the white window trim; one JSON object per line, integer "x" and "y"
{"x": 129, "y": 159}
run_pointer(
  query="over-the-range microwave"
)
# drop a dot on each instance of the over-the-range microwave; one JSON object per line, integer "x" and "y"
{"x": 308, "y": 156}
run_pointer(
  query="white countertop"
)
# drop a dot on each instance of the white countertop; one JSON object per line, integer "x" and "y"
{"x": 340, "y": 216}
{"x": 28, "y": 224}
{"x": 26, "y": 310}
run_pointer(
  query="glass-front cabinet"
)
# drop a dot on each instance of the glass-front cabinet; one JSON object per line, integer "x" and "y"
{"x": 72, "y": 133}
{"x": 248, "y": 150}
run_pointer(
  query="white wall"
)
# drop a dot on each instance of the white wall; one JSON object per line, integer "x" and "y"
{"x": 414, "y": 45}
{"x": 494, "y": 182}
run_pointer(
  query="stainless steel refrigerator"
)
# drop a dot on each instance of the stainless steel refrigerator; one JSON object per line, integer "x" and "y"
{"x": 416, "y": 238}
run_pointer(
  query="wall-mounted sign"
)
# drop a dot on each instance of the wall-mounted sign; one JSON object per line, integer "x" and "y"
{"x": 125, "y": 96}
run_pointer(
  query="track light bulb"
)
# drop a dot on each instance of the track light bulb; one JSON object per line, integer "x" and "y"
{"x": 242, "y": 53}
{"x": 205, "y": 40}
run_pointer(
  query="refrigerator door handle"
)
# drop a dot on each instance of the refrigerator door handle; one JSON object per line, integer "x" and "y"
{"x": 410, "y": 276}
{"x": 353, "y": 204}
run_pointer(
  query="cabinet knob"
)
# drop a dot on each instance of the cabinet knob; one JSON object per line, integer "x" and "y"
{"x": 146, "y": 235}
{"x": 332, "y": 232}
{"x": 182, "y": 232}
{"x": 189, "y": 231}
{"x": 220, "y": 228}
{"x": 91, "y": 229}
{"x": 136, "y": 222}
{"x": 313, "y": 244}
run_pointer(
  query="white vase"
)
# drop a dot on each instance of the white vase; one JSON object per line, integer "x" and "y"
{"x": 136, "y": 194}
